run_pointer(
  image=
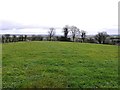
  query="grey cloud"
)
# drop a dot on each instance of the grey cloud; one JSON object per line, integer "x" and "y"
{"x": 111, "y": 30}
{"x": 8, "y": 25}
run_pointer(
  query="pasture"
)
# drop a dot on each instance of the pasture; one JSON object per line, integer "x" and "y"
{"x": 45, "y": 64}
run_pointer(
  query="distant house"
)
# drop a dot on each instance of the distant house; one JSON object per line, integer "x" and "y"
{"x": 115, "y": 40}
{"x": 44, "y": 38}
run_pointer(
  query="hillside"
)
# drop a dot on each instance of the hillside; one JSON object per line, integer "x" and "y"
{"x": 59, "y": 64}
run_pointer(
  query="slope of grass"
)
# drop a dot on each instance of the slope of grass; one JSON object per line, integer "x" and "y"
{"x": 59, "y": 64}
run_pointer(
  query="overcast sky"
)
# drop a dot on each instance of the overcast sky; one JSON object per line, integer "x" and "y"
{"x": 37, "y": 16}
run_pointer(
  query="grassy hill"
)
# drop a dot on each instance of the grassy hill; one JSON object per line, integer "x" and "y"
{"x": 59, "y": 64}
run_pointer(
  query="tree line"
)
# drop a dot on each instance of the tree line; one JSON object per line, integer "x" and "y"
{"x": 70, "y": 34}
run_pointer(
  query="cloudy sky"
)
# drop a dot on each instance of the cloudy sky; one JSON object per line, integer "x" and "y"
{"x": 37, "y": 16}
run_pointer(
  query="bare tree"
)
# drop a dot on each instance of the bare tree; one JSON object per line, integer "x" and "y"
{"x": 21, "y": 38}
{"x": 7, "y": 38}
{"x": 14, "y": 38}
{"x": 25, "y": 37}
{"x": 74, "y": 31}
{"x": 83, "y": 35}
{"x": 3, "y": 39}
{"x": 66, "y": 31}
{"x": 101, "y": 37}
{"x": 51, "y": 33}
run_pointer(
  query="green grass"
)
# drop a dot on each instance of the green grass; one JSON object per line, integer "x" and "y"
{"x": 59, "y": 64}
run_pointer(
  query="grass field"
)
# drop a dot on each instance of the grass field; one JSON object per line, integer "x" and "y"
{"x": 59, "y": 64}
